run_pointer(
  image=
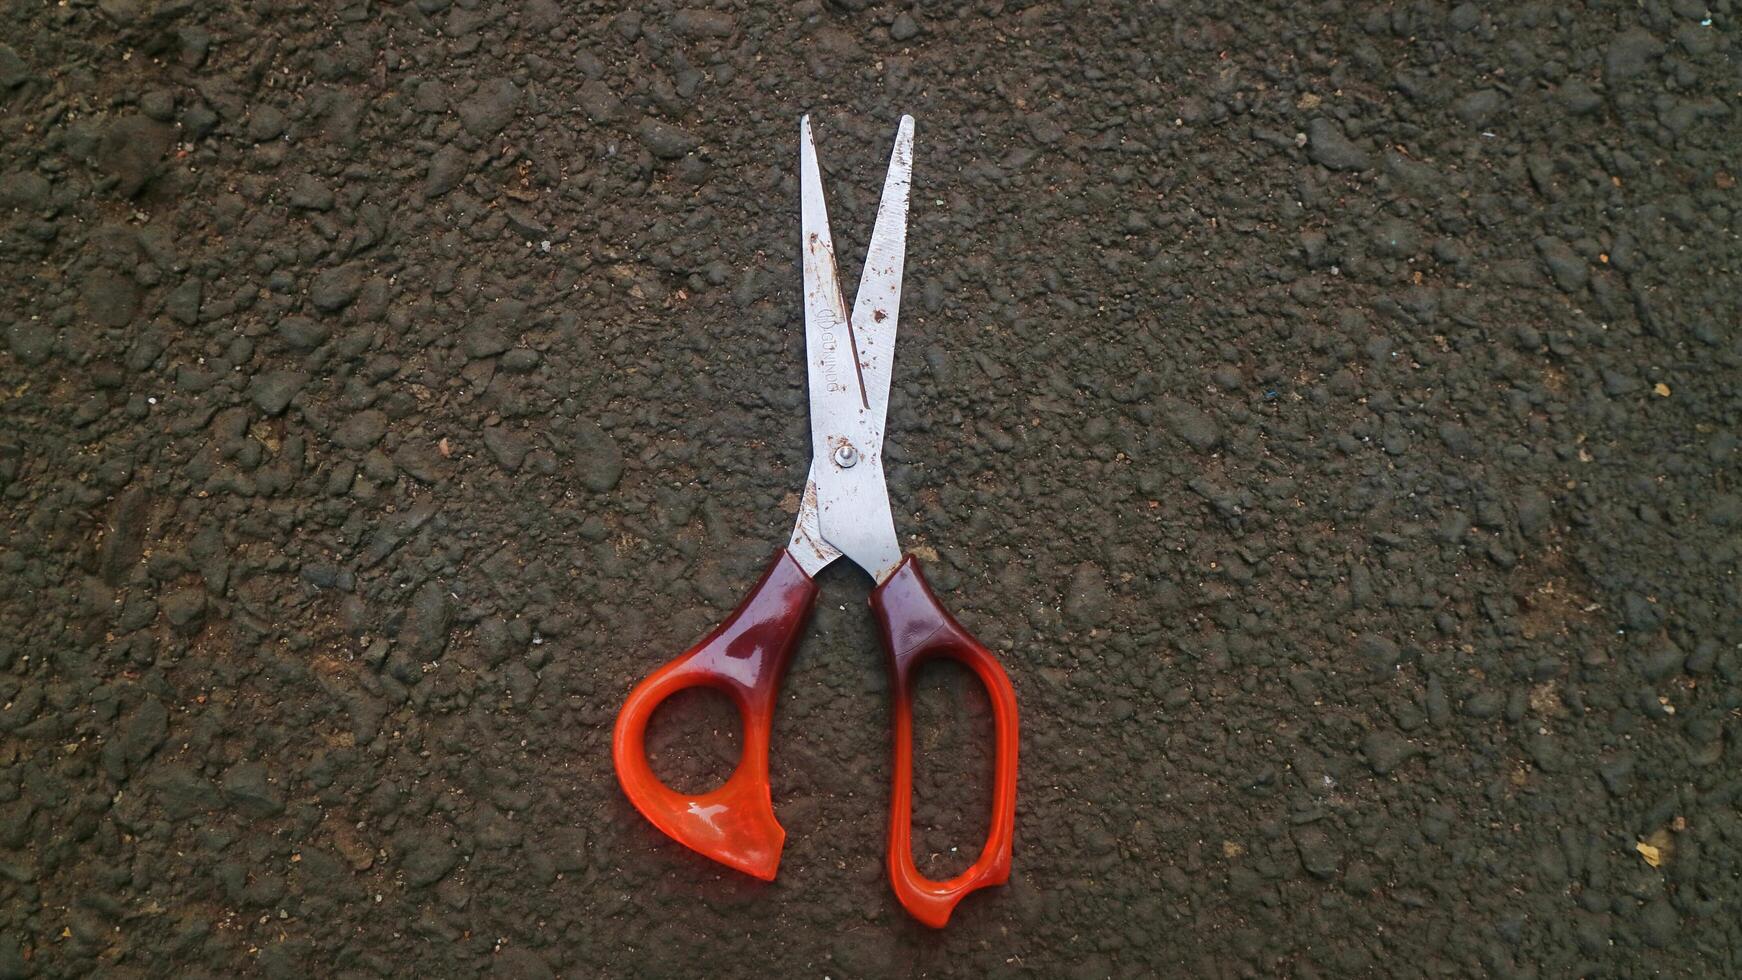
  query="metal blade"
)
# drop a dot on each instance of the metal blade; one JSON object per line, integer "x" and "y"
{"x": 834, "y": 375}
{"x": 877, "y": 307}
{"x": 846, "y": 430}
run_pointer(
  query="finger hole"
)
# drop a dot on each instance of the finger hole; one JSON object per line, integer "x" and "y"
{"x": 954, "y": 753}
{"x": 693, "y": 740}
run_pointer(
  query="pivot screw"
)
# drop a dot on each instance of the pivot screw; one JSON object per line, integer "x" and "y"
{"x": 846, "y": 455}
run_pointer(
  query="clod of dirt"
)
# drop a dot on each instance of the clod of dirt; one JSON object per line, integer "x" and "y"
{"x": 664, "y": 140}
{"x": 13, "y": 71}
{"x": 142, "y": 731}
{"x": 247, "y": 788}
{"x": 1569, "y": 270}
{"x": 1328, "y": 145}
{"x": 425, "y": 632}
{"x": 131, "y": 150}
{"x": 490, "y": 108}
{"x": 272, "y": 391}
{"x": 1194, "y": 426}
{"x": 362, "y": 430}
{"x": 1318, "y": 854}
{"x": 1385, "y": 751}
{"x": 1087, "y": 598}
{"x": 598, "y": 459}
{"x": 507, "y": 447}
{"x": 303, "y": 333}
{"x": 485, "y": 340}
{"x": 111, "y": 299}
{"x": 447, "y": 167}
{"x": 31, "y": 341}
{"x": 1380, "y": 654}
{"x": 332, "y": 290}
{"x": 424, "y": 857}
{"x": 310, "y": 193}
{"x": 1630, "y": 54}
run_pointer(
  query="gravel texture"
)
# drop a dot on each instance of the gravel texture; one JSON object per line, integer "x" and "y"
{"x": 1328, "y": 411}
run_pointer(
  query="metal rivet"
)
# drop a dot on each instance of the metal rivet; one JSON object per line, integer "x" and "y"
{"x": 846, "y": 455}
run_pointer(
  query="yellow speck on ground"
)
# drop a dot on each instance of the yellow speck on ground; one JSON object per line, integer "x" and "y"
{"x": 1661, "y": 389}
{"x": 1652, "y": 855}
{"x": 1658, "y": 847}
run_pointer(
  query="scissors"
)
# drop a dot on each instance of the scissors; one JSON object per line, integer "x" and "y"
{"x": 844, "y": 511}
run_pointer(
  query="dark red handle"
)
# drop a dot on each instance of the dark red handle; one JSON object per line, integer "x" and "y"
{"x": 745, "y": 658}
{"x": 915, "y": 629}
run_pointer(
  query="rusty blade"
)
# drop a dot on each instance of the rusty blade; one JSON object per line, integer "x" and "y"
{"x": 846, "y": 428}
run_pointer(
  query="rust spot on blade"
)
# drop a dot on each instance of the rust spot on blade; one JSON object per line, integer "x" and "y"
{"x": 879, "y": 316}
{"x": 858, "y": 368}
{"x": 812, "y": 539}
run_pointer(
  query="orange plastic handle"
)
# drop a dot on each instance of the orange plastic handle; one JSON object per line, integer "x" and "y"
{"x": 915, "y": 629}
{"x": 745, "y": 657}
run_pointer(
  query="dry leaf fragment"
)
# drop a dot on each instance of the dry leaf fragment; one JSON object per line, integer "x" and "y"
{"x": 1652, "y": 855}
{"x": 1661, "y": 389}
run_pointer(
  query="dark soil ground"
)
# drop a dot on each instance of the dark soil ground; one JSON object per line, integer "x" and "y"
{"x": 1328, "y": 411}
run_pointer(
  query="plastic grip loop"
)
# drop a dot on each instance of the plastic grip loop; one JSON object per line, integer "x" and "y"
{"x": 745, "y": 657}
{"x": 916, "y": 628}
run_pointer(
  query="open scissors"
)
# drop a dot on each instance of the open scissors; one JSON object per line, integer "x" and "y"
{"x": 844, "y": 511}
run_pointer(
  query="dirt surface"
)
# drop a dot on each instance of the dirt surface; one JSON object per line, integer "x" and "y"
{"x": 1329, "y": 413}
